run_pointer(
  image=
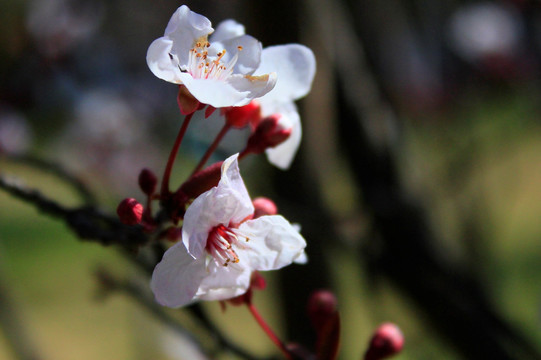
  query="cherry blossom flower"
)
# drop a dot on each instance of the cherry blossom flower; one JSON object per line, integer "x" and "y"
{"x": 217, "y": 71}
{"x": 222, "y": 245}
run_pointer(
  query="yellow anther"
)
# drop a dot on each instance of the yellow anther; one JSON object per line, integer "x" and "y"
{"x": 239, "y": 47}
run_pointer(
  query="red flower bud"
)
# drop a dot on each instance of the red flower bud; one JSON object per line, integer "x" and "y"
{"x": 322, "y": 305}
{"x": 147, "y": 182}
{"x": 202, "y": 181}
{"x": 130, "y": 211}
{"x": 269, "y": 133}
{"x": 241, "y": 116}
{"x": 264, "y": 206}
{"x": 387, "y": 340}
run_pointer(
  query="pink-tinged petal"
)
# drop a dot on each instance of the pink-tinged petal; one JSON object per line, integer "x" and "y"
{"x": 185, "y": 28}
{"x": 252, "y": 86}
{"x": 159, "y": 61}
{"x": 295, "y": 65}
{"x": 273, "y": 243}
{"x": 177, "y": 277}
{"x": 226, "y": 203}
{"x": 227, "y": 29}
{"x": 224, "y": 282}
{"x": 245, "y": 47}
{"x": 283, "y": 154}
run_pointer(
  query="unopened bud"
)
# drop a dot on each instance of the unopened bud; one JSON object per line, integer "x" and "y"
{"x": 202, "y": 181}
{"x": 269, "y": 133}
{"x": 264, "y": 206}
{"x": 322, "y": 305}
{"x": 130, "y": 211}
{"x": 241, "y": 116}
{"x": 387, "y": 340}
{"x": 147, "y": 182}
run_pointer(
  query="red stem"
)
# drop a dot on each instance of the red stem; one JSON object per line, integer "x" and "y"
{"x": 274, "y": 338}
{"x": 212, "y": 147}
{"x": 167, "y": 172}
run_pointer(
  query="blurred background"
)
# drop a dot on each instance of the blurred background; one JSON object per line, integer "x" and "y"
{"x": 416, "y": 185}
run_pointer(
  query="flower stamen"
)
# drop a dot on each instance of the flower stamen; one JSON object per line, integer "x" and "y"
{"x": 220, "y": 244}
{"x": 201, "y": 66}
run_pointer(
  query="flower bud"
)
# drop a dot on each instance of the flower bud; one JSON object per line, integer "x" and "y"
{"x": 322, "y": 305}
{"x": 387, "y": 340}
{"x": 241, "y": 116}
{"x": 269, "y": 133}
{"x": 202, "y": 181}
{"x": 147, "y": 182}
{"x": 130, "y": 211}
{"x": 264, "y": 206}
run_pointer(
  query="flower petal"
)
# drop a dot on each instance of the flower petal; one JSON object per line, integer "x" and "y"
{"x": 246, "y": 47}
{"x": 273, "y": 243}
{"x": 227, "y": 29}
{"x": 295, "y": 65}
{"x": 215, "y": 93}
{"x": 185, "y": 28}
{"x": 177, "y": 277}
{"x": 252, "y": 86}
{"x": 224, "y": 282}
{"x": 283, "y": 154}
{"x": 226, "y": 203}
{"x": 160, "y": 62}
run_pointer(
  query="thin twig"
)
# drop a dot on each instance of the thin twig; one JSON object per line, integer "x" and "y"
{"x": 87, "y": 222}
{"x": 57, "y": 170}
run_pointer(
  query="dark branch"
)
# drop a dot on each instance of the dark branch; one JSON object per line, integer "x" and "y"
{"x": 87, "y": 222}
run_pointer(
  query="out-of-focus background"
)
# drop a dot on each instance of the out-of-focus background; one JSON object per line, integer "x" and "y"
{"x": 417, "y": 184}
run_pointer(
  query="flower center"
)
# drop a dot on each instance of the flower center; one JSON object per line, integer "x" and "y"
{"x": 220, "y": 244}
{"x": 202, "y": 66}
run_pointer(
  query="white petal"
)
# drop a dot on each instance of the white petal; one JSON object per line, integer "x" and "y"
{"x": 282, "y": 155}
{"x": 159, "y": 61}
{"x": 273, "y": 243}
{"x": 227, "y": 29}
{"x": 231, "y": 183}
{"x": 302, "y": 259}
{"x": 295, "y": 65}
{"x": 185, "y": 28}
{"x": 224, "y": 282}
{"x": 249, "y": 56}
{"x": 252, "y": 86}
{"x": 215, "y": 93}
{"x": 177, "y": 277}
{"x": 226, "y": 203}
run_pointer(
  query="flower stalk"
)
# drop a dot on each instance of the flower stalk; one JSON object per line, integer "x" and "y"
{"x": 212, "y": 148}
{"x": 164, "y": 192}
{"x": 267, "y": 329}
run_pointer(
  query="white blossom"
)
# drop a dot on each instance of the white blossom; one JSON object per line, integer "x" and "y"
{"x": 217, "y": 71}
{"x": 222, "y": 245}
